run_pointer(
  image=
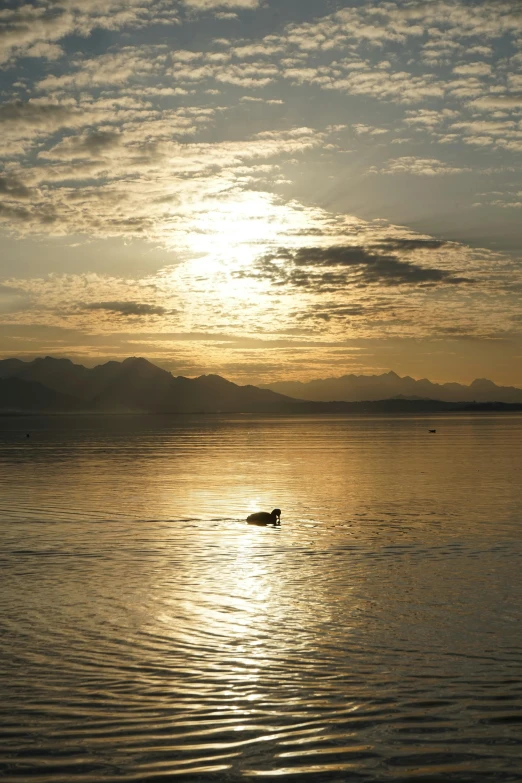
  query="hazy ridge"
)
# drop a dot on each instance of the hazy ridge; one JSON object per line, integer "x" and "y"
{"x": 135, "y": 385}
{"x": 353, "y": 388}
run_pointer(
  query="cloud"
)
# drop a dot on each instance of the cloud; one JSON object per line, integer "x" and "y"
{"x": 13, "y": 300}
{"x": 489, "y": 102}
{"x": 25, "y": 123}
{"x": 368, "y": 130}
{"x": 139, "y": 182}
{"x": 400, "y": 86}
{"x": 46, "y": 51}
{"x": 127, "y": 309}
{"x": 420, "y": 167}
{"x": 33, "y": 30}
{"x": 91, "y": 144}
{"x": 340, "y": 267}
{"x": 14, "y": 214}
{"x": 43, "y": 115}
{"x": 206, "y": 5}
{"x": 473, "y": 69}
{"x": 156, "y": 143}
{"x": 108, "y": 69}
{"x": 12, "y": 187}
{"x": 417, "y": 243}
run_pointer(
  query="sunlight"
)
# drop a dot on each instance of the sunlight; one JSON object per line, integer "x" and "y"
{"x": 225, "y": 232}
{"x": 240, "y": 228}
{"x": 224, "y": 239}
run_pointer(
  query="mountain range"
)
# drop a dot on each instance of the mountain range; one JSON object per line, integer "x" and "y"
{"x": 352, "y": 388}
{"x": 135, "y": 385}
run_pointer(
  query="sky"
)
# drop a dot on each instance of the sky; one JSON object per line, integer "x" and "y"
{"x": 264, "y": 189}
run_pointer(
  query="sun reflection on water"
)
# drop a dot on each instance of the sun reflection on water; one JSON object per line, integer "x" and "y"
{"x": 192, "y": 643}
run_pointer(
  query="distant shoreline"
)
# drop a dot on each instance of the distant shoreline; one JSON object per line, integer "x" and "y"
{"x": 351, "y": 409}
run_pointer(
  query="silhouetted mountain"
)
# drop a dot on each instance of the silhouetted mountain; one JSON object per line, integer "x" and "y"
{"x": 137, "y": 385}
{"x": 134, "y": 384}
{"x": 352, "y": 388}
{"x": 229, "y": 397}
{"x": 62, "y": 375}
{"x": 17, "y": 395}
{"x": 9, "y": 367}
{"x": 140, "y": 385}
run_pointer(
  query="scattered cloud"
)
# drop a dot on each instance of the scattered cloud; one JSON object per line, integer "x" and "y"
{"x": 213, "y": 155}
{"x": 420, "y": 167}
{"x": 127, "y": 309}
{"x": 33, "y": 30}
{"x": 12, "y": 300}
{"x": 473, "y": 69}
{"x": 341, "y": 267}
{"x": 206, "y": 5}
{"x": 12, "y": 187}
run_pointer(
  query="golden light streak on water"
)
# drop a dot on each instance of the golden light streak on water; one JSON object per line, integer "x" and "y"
{"x": 148, "y": 632}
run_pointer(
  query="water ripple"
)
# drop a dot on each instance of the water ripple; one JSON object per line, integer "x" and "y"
{"x": 147, "y": 633}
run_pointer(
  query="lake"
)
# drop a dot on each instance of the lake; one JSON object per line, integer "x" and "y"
{"x": 149, "y": 634}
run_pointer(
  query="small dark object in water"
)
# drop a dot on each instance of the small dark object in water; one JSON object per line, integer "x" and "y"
{"x": 28, "y": 435}
{"x": 264, "y": 518}
{"x": 432, "y": 430}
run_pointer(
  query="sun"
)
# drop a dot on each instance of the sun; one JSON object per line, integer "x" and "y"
{"x": 237, "y": 231}
{"x": 223, "y": 240}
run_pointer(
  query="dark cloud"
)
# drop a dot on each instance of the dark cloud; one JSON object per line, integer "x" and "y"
{"x": 44, "y": 216}
{"x": 41, "y": 115}
{"x": 127, "y": 308}
{"x": 93, "y": 143}
{"x": 333, "y": 268}
{"x": 13, "y": 213}
{"x": 410, "y": 244}
{"x": 332, "y": 312}
{"x": 100, "y": 140}
{"x": 13, "y": 188}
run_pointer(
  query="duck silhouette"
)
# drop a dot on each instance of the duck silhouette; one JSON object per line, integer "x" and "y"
{"x": 264, "y": 518}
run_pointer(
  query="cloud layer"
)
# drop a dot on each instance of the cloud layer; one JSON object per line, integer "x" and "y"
{"x": 234, "y": 145}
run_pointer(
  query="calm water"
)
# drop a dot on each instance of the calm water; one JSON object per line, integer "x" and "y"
{"x": 149, "y": 634}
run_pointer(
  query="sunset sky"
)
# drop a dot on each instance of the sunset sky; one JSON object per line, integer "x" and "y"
{"x": 264, "y": 189}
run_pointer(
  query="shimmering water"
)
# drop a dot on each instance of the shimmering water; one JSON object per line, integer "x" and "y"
{"x": 149, "y": 634}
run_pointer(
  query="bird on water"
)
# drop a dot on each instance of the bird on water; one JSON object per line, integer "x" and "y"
{"x": 264, "y": 518}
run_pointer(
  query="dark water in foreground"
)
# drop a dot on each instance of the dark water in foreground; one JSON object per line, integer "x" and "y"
{"x": 148, "y": 634}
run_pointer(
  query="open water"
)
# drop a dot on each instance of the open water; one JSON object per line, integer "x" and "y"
{"x": 147, "y": 633}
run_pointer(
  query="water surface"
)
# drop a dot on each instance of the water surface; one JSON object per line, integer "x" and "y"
{"x": 149, "y": 634}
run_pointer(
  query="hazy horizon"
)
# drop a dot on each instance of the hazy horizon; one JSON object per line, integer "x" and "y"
{"x": 93, "y": 364}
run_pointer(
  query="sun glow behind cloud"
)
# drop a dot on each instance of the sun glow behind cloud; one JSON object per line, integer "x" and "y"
{"x": 236, "y": 157}
{"x": 238, "y": 230}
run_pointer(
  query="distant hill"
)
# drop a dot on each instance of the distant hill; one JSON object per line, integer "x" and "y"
{"x": 134, "y": 385}
{"x": 18, "y": 395}
{"x": 9, "y": 367}
{"x": 138, "y": 386}
{"x": 355, "y": 388}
